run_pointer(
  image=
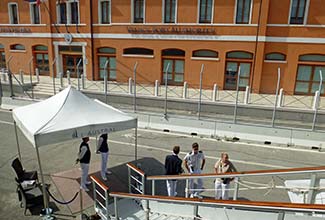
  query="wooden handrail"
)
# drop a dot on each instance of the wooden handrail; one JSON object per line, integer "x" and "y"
{"x": 232, "y": 203}
{"x": 242, "y": 174}
{"x": 136, "y": 169}
{"x": 99, "y": 183}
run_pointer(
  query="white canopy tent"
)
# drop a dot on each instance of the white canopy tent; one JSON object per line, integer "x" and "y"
{"x": 66, "y": 116}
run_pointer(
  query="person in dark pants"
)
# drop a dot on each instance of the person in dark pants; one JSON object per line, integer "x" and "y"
{"x": 173, "y": 166}
{"x": 84, "y": 159}
{"x": 102, "y": 148}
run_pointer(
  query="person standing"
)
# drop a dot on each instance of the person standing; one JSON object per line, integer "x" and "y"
{"x": 84, "y": 159}
{"x": 102, "y": 148}
{"x": 194, "y": 162}
{"x": 223, "y": 165}
{"x": 173, "y": 166}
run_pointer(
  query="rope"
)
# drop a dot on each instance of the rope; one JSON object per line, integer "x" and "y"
{"x": 60, "y": 202}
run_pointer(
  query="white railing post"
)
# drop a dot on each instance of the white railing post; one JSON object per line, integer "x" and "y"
{"x": 69, "y": 77}
{"x": 215, "y": 93}
{"x": 21, "y": 75}
{"x": 316, "y": 100}
{"x": 37, "y": 74}
{"x": 130, "y": 85}
{"x": 185, "y": 86}
{"x": 280, "y": 99}
{"x": 153, "y": 187}
{"x": 312, "y": 185}
{"x": 236, "y": 189}
{"x": 156, "y": 88}
{"x": 247, "y": 94}
{"x": 61, "y": 80}
{"x": 187, "y": 184}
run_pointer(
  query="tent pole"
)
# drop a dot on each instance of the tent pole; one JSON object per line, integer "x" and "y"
{"x": 18, "y": 147}
{"x": 136, "y": 142}
{"x": 45, "y": 198}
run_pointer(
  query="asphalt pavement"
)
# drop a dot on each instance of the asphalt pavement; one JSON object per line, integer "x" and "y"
{"x": 152, "y": 146}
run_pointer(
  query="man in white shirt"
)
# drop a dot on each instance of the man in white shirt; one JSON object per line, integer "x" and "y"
{"x": 194, "y": 163}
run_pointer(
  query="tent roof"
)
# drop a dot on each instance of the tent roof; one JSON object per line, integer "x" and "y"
{"x": 68, "y": 115}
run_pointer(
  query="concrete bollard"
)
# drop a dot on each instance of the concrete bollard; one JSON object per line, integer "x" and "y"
{"x": 316, "y": 100}
{"x": 61, "y": 79}
{"x": 83, "y": 81}
{"x": 247, "y": 94}
{"x": 21, "y": 75}
{"x": 69, "y": 77}
{"x": 130, "y": 85}
{"x": 215, "y": 93}
{"x": 156, "y": 88}
{"x": 4, "y": 75}
{"x": 37, "y": 74}
{"x": 280, "y": 98}
{"x": 185, "y": 90}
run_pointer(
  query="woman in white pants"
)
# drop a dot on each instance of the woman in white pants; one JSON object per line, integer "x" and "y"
{"x": 102, "y": 148}
{"x": 223, "y": 165}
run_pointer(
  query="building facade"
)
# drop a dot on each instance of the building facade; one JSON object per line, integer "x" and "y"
{"x": 253, "y": 37}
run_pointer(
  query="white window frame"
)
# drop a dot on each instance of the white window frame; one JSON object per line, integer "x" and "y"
{"x": 305, "y": 15}
{"x": 68, "y": 8}
{"x": 9, "y": 12}
{"x": 250, "y": 13}
{"x": 163, "y": 12}
{"x": 198, "y": 12}
{"x": 132, "y": 12}
{"x": 100, "y": 11}
{"x": 32, "y": 18}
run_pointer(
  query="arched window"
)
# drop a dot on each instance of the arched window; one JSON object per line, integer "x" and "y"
{"x": 310, "y": 67}
{"x": 2, "y": 57}
{"x": 238, "y": 61}
{"x": 137, "y": 51}
{"x": 107, "y": 62}
{"x": 17, "y": 47}
{"x": 205, "y": 53}
{"x": 174, "y": 59}
{"x": 41, "y": 59}
{"x": 275, "y": 57}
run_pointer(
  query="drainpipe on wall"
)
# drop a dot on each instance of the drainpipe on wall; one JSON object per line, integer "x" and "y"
{"x": 92, "y": 40}
{"x": 256, "y": 43}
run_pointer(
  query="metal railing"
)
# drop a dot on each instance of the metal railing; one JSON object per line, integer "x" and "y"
{"x": 101, "y": 196}
{"x": 136, "y": 179}
{"x": 313, "y": 171}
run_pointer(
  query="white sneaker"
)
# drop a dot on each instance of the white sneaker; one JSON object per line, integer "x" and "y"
{"x": 191, "y": 195}
{"x": 108, "y": 172}
{"x": 104, "y": 178}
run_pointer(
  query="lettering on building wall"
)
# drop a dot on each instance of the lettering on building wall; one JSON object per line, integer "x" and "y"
{"x": 15, "y": 30}
{"x": 170, "y": 30}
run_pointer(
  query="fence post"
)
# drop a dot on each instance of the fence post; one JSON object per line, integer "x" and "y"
{"x": 215, "y": 92}
{"x": 315, "y": 102}
{"x": 69, "y": 77}
{"x": 78, "y": 74}
{"x": 247, "y": 94}
{"x": 61, "y": 80}
{"x": 236, "y": 102}
{"x": 185, "y": 86}
{"x": 276, "y": 96}
{"x": 53, "y": 78}
{"x": 135, "y": 87}
{"x": 105, "y": 86}
{"x": 83, "y": 81}
{"x": 280, "y": 100}
{"x": 156, "y": 88}
{"x": 166, "y": 88}
{"x": 30, "y": 75}
{"x": 317, "y": 97}
{"x": 200, "y": 95}
{"x": 10, "y": 78}
{"x": 130, "y": 85}
{"x": 21, "y": 76}
{"x": 37, "y": 74}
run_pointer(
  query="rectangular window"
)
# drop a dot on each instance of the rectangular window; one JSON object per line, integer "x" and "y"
{"x": 170, "y": 11}
{"x": 74, "y": 12}
{"x": 298, "y": 9}
{"x": 35, "y": 13}
{"x": 308, "y": 79}
{"x": 2, "y": 59}
{"x": 13, "y": 13}
{"x": 205, "y": 11}
{"x": 243, "y": 11}
{"x": 138, "y": 11}
{"x": 231, "y": 76}
{"x": 63, "y": 13}
{"x": 105, "y": 10}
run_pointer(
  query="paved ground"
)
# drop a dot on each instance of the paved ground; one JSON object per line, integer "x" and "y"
{"x": 152, "y": 148}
